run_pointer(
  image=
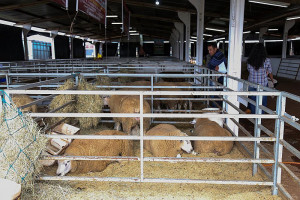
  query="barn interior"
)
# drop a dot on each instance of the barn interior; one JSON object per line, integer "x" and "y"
{"x": 67, "y": 56}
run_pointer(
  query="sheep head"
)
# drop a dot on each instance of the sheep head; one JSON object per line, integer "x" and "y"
{"x": 186, "y": 145}
{"x": 66, "y": 166}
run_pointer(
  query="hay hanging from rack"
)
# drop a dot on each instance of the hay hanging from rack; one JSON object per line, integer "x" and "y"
{"x": 88, "y": 104}
{"x": 61, "y": 100}
{"x": 103, "y": 80}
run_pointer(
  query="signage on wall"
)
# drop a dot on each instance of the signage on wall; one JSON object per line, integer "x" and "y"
{"x": 62, "y": 2}
{"x": 93, "y": 8}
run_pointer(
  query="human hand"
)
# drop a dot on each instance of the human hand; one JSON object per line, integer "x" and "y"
{"x": 217, "y": 68}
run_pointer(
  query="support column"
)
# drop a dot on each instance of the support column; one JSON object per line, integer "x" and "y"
{"x": 71, "y": 47}
{"x": 180, "y": 28}
{"x": 287, "y": 26}
{"x": 25, "y": 30}
{"x": 176, "y": 43}
{"x": 53, "y": 35}
{"x": 262, "y": 31}
{"x": 237, "y": 8}
{"x": 199, "y": 5}
{"x": 185, "y": 17}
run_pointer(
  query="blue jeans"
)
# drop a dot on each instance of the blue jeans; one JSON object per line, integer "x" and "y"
{"x": 252, "y": 107}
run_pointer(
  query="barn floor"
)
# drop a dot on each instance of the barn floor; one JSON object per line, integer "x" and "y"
{"x": 114, "y": 190}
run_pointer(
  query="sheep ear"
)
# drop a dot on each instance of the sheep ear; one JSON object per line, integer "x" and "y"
{"x": 73, "y": 165}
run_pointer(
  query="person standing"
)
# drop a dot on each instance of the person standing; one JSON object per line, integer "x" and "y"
{"x": 259, "y": 67}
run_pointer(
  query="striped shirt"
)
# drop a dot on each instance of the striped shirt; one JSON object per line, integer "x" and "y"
{"x": 260, "y": 76}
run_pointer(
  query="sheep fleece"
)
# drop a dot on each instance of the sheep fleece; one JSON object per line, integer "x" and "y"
{"x": 205, "y": 127}
{"x": 98, "y": 148}
{"x": 163, "y": 148}
{"x": 128, "y": 104}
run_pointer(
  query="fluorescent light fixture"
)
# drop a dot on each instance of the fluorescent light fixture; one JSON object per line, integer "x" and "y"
{"x": 207, "y": 35}
{"x": 166, "y": 42}
{"x": 134, "y": 34}
{"x": 148, "y": 42}
{"x": 245, "y": 32}
{"x": 157, "y": 2}
{"x": 291, "y": 18}
{"x": 132, "y": 31}
{"x": 273, "y": 29}
{"x": 111, "y": 16}
{"x": 77, "y": 36}
{"x": 60, "y": 33}
{"x": 117, "y": 23}
{"x": 38, "y": 29}
{"x": 4, "y": 22}
{"x": 220, "y": 39}
{"x": 271, "y": 3}
{"x": 213, "y": 29}
{"x": 256, "y": 32}
{"x": 193, "y": 40}
{"x": 193, "y": 37}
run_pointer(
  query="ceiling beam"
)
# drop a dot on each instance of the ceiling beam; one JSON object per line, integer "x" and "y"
{"x": 154, "y": 18}
{"x": 34, "y": 21}
{"x": 152, "y": 5}
{"x": 23, "y": 5}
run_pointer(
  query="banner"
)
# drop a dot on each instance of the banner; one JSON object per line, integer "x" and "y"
{"x": 93, "y": 8}
{"x": 125, "y": 19}
{"x": 62, "y": 2}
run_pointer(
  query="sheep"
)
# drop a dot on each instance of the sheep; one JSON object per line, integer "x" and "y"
{"x": 218, "y": 120}
{"x": 128, "y": 104}
{"x": 94, "y": 148}
{"x": 184, "y": 103}
{"x": 23, "y": 99}
{"x": 206, "y": 127}
{"x": 167, "y": 148}
{"x": 170, "y": 104}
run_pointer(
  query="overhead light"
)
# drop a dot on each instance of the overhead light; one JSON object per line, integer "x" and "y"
{"x": 7, "y": 23}
{"x": 245, "y": 32}
{"x": 291, "y": 18}
{"x": 271, "y": 3}
{"x": 193, "y": 40}
{"x": 111, "y": 16}
{"x": 157, "y": 2}
{"x": 207, "y": 35}
{"x": 132, "y": 31}
{"x": 134, "y": 34}
{"x": 60, "y": 33}
{"x": 256, "y": 32}
{"x": 38, "y": 29}
{"x": 193, "y": 37}
{"x": 219, "y": 39}
{"x": 273, "y": 29}
{"x": 213, "y": 29}
{"x": 117, "y": 23}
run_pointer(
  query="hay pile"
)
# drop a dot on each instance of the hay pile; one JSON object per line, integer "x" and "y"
{"x": 88, "y": 104}
{"x": 103, "y": 80}
{"x": 21, "y": 143}
{"x": 61, "y": 100}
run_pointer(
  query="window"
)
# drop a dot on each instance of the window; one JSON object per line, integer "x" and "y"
{"x": 41, "y": 50}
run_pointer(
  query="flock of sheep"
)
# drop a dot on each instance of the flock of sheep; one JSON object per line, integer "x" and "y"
{"x": 130, "y": 126}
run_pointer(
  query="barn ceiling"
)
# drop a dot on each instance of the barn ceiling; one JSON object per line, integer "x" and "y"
{"x": 147, "y": 18}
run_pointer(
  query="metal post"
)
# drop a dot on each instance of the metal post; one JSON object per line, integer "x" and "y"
{"x": 142, "y": 137}
{"x": 185, "y": 17}
{"x": 257, "y": 130}
{"x": 25, "y": 33}
{"x": 287, "y": 26}
{"x": 279, "y": 131}
{"x": 237, "y": 8}
{"x": 53, "y": 35}
{"x": 180, "y": 28}
{"x": 262, "y": 31}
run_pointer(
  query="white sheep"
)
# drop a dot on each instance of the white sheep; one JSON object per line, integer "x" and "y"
{"x": 167, "y": 148}
{"x": 128, "y": 104}
{"x": 94, "y": 148}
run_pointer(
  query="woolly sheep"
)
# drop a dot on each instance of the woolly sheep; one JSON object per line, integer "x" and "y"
{"x": 206, "y": 127}
{"x": 167, "y": 148}
{"x": 23, "y": 99}
{"x": 184, "y": 103}
{"x": 128, "y": 104}
{"x": 94, "y": 148}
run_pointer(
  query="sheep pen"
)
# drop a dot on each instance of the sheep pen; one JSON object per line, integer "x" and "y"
{"x": 186, "y": 170}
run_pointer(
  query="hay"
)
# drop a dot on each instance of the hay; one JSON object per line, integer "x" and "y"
{"x": 21, "y": 143}
{"x": 124, "y": 79}
{"x": 23, "y": 99}
{"x": 103, "y": 80}
{"x": 88, "y": 104}
{"x": 61, "y": 100}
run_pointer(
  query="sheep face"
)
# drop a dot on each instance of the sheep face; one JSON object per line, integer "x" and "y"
{"x": 186, "y": 146}
{"x": 64, "y": 167}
